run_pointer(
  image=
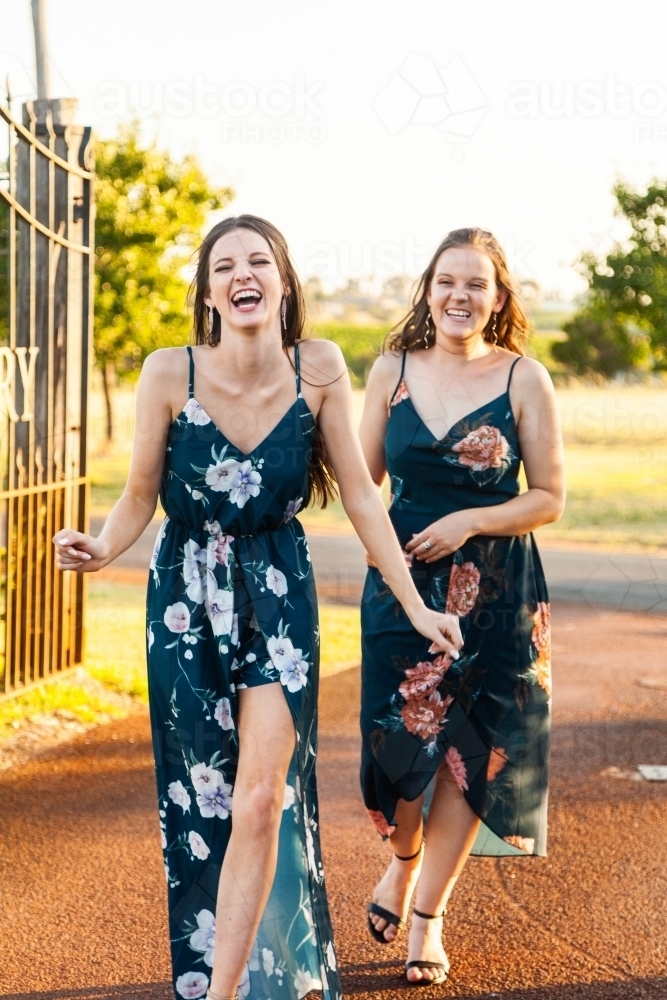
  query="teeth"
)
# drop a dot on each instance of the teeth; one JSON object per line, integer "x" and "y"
{"x": 458, "y": 312}
{"x": 246, "y": 296}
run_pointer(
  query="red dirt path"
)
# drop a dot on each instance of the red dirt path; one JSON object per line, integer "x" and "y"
{"x": 82, "y": 899}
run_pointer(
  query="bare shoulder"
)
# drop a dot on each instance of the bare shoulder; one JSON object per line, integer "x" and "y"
{"x": 164, "y": 377}
{"x": 531, "y": 376}
{"x": 168, "y": 362}
{"x": 386, "y": 369}
{"x": 322, "y": 361}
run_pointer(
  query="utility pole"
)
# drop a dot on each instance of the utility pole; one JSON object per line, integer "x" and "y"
{"x": 41, "y": 49}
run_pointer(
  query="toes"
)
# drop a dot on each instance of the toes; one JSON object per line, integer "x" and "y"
{"x": 389, "y": 932}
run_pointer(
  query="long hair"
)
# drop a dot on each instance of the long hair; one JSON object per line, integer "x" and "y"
{"x": 416, "y": 333}
{"x": 321, "y": 477}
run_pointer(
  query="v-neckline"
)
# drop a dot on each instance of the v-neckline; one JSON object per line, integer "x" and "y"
{"x": 466, "y": 416}
{"x": 245, "y": 454}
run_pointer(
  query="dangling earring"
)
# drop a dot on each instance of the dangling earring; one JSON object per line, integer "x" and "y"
{"x": 427, "y": 332}
{"x": 494, "y": 323}
{"x": 283, "y": 312}
{"x": 210, "y": 319}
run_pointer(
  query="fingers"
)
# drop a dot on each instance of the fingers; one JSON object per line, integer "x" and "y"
{"x": 441, "y": 644}
{"x": 416, "y": 541}
{"x": 70, "y": 549}
{"x": 448, "y": 638}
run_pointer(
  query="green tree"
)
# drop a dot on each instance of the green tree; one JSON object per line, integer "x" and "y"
{"x": 151, "y": 209}
{"x": 623, "y": 323}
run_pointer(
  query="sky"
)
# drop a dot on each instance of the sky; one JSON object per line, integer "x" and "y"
{"x": 366, "y": 131}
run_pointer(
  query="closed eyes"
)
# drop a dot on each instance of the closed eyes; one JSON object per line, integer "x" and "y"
{"x": 227, "y": 266}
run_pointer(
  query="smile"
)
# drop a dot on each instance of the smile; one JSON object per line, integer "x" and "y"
{"x": 458, "y": 313}
{"x": 246, "y": 299}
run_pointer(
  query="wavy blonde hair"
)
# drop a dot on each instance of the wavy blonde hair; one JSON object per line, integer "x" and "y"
{"x": 415, "y": 333}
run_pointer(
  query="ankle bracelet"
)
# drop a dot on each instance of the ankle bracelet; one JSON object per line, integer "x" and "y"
{"x": 429, "y": 916}
{"x": 210, "y": 995}
{"x": 410, "y": 857}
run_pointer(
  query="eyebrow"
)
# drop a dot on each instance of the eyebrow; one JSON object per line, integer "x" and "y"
{"x": 253, "y": 253}
{"x": 446, "y": 274}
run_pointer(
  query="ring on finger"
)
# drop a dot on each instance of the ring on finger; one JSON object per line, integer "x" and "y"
{"x": 426, "y": 544}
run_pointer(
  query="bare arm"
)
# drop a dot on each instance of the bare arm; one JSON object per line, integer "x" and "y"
{"x": 381, "y": 381}
{"x": 364, "y": 507}
{"x": 534, "y": 402}
{"x": 134, "y": 510}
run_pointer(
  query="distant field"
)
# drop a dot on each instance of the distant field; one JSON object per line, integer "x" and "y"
{"x": 616, "y": 459}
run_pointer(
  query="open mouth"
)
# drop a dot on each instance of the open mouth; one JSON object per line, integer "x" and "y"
{"x": 246, "y": 299}
{"x": 458, "y": 313}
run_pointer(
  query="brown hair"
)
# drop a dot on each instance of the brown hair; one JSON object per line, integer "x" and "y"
{"x": 321, "y": 477}
{"x": 416, "y": 333}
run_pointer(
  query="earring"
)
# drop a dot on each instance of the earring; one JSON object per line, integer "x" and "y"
{"x": 494, "y": 323}
{"x": 210, "y": 319}
{"x": 283, "y": 312}
{"x": 427, "y": 332}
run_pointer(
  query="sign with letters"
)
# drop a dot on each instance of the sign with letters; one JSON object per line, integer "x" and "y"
{"x": 26, "y": 371}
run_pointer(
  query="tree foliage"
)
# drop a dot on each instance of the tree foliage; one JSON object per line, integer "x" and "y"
{"x": 150, "y": 212}
{"x": 623, "y": 323}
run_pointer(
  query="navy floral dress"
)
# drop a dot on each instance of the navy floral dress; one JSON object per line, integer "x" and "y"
{"x": 231, "y": 603}
{"x": 486, "y": 715}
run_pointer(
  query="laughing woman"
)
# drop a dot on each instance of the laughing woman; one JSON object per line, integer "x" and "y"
{"x": 237, "y": 434}
{"x": 452, "y": 409}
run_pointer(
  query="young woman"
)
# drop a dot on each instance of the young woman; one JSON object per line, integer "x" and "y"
{"x": 237, "y": 434}
{"x": 451, "y": 411}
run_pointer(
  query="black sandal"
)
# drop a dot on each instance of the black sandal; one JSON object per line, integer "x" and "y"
{"x": 421, "y": 963}
{"x": 393, "y": 919}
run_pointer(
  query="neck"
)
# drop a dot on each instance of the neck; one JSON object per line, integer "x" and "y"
{"x": 250, "y": 355}
{"x": 468, "y": 349}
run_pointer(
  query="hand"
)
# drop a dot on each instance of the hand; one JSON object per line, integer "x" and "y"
{"x": 443, "y": 537}
{"x": 79, "y": 552}
{"x": 443, "y": 630}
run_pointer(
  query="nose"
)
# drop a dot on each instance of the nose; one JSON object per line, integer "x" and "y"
{"x": 243, "y": 273}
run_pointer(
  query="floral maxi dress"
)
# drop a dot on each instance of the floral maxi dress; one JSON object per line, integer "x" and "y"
{"x": 231, "y": 604}
{"x": 485, "y": 717}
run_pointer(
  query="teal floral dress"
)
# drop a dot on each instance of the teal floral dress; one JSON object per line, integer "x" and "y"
{"x": 231, "y": 604}
{"x": 485, "y": 717}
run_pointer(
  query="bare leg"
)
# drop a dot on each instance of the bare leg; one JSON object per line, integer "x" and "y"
{"x": 267, "y": 740}
{"x": 450, "y": 833}
{"x": 395, "y": 888}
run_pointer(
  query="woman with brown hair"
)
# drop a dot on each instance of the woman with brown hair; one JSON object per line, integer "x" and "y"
{"x": 238, "y": 433}
{"x": 452, "y": 408}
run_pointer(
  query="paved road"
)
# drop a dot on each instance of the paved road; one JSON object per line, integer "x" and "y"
{"x": 599, "y": 580}
{"x": 82, "y": 894}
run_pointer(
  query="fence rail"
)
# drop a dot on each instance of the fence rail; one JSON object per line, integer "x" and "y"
{"x": 46, "y": 258}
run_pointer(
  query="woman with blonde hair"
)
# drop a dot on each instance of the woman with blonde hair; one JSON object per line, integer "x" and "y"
{"x": 237, "y": 434}
{"x": 452, "y": 409}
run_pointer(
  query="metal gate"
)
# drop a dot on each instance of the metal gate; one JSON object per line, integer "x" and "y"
{"x": 46, "y": 261}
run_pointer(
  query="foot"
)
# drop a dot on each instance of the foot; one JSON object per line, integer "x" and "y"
{"x": 394, "y": 892}
{"x": 425, "y": 944}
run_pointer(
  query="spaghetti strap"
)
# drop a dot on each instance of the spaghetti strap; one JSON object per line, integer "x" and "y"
{"x": 297, "y": 368}
{"x": 191, "y": 379}
{"x": 514, "y": 364}
{"x": 400, "y": 378}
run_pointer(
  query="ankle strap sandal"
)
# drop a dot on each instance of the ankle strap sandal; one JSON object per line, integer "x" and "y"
{"x": 439, "y": 967}
{"x": 393, "y": 919}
